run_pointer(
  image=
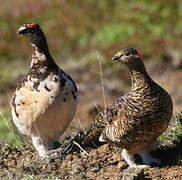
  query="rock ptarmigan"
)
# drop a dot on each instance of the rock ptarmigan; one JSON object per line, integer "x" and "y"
{"x": 45, "y": 100}
{"x": 136, "y": 120}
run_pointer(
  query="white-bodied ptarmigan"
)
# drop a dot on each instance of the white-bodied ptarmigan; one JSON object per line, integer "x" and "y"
{"x": 45, "y": 100}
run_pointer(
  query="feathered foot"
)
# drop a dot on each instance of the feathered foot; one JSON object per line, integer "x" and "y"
{"x": 148, "y": 159}
{"x": 129, "y": 158}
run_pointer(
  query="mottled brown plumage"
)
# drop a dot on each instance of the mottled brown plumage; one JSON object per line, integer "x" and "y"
{"x": 136, "y": 120}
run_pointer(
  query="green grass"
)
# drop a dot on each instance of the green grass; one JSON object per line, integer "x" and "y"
{"x": 8, "y": 131}
{"x": 173, "y": 132}
{"x": 4, "y": 124}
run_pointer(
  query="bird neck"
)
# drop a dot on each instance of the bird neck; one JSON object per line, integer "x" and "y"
{"x": 41, "y": 52}
{"x": 140, "y": 79}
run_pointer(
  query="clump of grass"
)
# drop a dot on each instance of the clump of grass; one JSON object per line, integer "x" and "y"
{"x": 8, "y": 131}
{"x": 173, "y": 133}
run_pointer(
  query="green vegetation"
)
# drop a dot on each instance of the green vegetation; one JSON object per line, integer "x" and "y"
{"x": 173, "y": 134}
{"x": 7, "y": 130}
{"x": 76, "y": 28}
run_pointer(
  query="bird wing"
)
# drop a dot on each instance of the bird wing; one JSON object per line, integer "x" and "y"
{"x": 107, "y": 116}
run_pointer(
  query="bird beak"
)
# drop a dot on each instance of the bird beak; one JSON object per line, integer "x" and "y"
{"x": 22, "y": 30}
{"x": 115, "y": 58}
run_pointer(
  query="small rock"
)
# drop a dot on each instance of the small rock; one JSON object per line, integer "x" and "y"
{"x": 94, "y": 169}
{"x": 121, "y": 165}
{"x": 156, "y": 178}
{"x": 133, "y": 174}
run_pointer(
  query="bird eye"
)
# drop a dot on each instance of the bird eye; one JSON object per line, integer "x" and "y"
{"x": 127, "y": 54}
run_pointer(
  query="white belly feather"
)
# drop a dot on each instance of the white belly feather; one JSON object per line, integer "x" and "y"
{"x": 45, "y": 112}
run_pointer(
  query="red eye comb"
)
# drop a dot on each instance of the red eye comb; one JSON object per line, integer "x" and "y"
{"x": 32, "y": 25}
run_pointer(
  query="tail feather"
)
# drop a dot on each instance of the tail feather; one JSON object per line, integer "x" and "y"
{"x": 92, "y": 135}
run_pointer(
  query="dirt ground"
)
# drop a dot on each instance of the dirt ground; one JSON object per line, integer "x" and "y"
{"x": 103, "y": 162}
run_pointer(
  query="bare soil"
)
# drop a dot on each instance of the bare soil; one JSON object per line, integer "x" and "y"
{"x": 102, "y": 162}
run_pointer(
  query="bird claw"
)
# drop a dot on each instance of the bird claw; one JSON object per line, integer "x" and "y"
{"x": 62, "y": 151}
{"x": 143, "y": 166}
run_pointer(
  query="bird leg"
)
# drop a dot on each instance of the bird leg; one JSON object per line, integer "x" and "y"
{"x": 145, "y": 153}
{"x": 148, "y": 159}
{"x": 64, "y": 149}
{"x": 39, "y": 146}
{"x": 129, "y": 158}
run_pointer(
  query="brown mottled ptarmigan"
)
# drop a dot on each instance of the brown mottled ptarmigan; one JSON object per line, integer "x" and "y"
{"x": 45, "y": 100}
{"x": 136, "y": 120}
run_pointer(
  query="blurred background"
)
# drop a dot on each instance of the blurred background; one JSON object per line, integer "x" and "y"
{"x": 83, "y": 36}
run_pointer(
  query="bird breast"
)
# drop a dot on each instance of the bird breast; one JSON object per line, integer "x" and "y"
{"x": 45, "y": 106}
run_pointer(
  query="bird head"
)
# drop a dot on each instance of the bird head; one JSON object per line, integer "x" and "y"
{"x": 129, "y": 57}
{"x": 34, "y": 34}
{"x": 32, "y": 31}
{"x": 29, "y": 29}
